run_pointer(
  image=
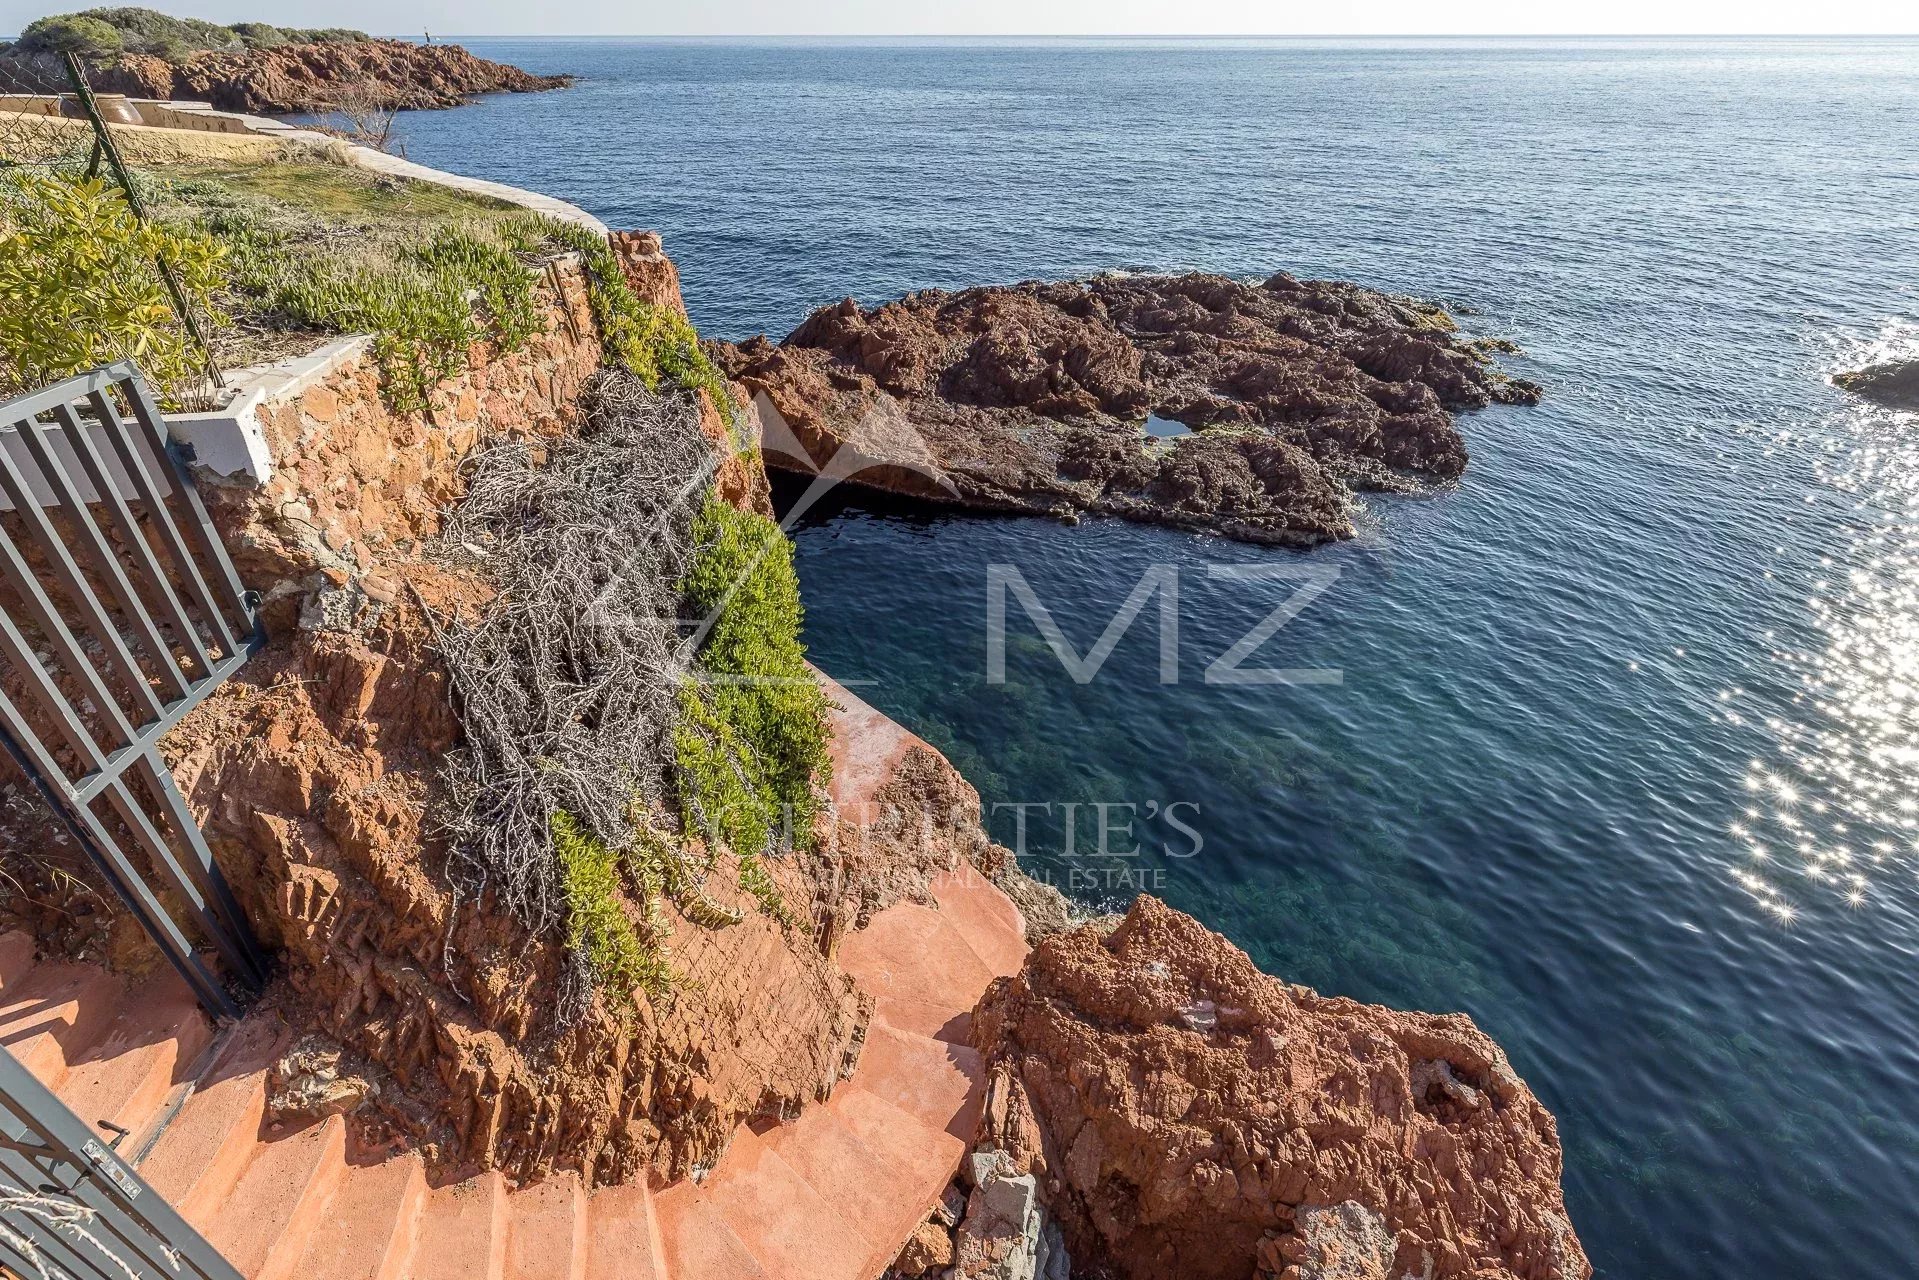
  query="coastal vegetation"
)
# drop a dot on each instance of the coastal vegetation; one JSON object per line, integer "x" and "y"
{"x": 654, "y": 343}
{"x": 111, "y": 31}
{"x": 316, "y": 250}
{"x": 275, "y": 259}
{"x": 750, "y": 752}
{"x": 78, "y": 286}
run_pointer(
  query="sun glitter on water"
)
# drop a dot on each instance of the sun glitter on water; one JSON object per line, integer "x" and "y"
{"x": 1833, "y": 814}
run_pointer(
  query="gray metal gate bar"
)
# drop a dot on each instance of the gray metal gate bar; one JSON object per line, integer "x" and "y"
{"x": 200, "y": 528}
{"x": 47, "y": 1150}
{"x": 42, "y": 537}
{"x": 182, "y": 606}
{"x": 103, "y": 562}
{"x": 147, "y": 564}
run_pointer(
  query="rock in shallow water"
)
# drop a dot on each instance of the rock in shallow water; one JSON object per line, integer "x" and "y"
{"x": 1289, "y": 1136}
{"x": 1895, "y": 384}
{"x": 1029, "y": 397}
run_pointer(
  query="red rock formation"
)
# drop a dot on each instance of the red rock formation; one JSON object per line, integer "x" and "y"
{"x": 1030, "y": 398}
{"x": 314, "y": 772}
{"x": 1189, "y": 1118}
{"x": 299, "y": 77}
{"x": 650, "y": 273}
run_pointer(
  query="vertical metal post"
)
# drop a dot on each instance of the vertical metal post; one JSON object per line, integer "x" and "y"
{"x": 111, "y": 150}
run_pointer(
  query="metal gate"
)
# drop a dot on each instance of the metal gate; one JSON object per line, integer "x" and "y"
{"x": 69, "y": 1207}
{"x": 119, "y": 612}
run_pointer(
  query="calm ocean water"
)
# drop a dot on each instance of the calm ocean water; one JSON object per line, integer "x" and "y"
{"x": 1625, "y": 756}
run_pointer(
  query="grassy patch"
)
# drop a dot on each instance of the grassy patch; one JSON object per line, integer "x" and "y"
{"x": 623, "y": 960}
{"x": 751, "y": 749}
{"x": 320, "y": 249}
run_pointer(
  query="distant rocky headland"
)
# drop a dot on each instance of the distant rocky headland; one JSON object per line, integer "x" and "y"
{"x": 1277, "y": 400}
{"x": 251, "y": 67}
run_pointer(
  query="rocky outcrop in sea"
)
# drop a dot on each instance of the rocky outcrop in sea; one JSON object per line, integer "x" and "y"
{"x": 1182, "y": 1116}
{"x": 1894, "y": 384}
{"x": 295, "y": 77}
{"x": 1283, "y": 398}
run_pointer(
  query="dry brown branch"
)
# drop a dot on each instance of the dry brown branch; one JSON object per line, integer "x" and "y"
{"x": 361, "y": 111}
{"x": 567, "y": 686}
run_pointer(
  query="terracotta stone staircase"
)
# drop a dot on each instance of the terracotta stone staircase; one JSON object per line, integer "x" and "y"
{"x": 829, "y": 1196}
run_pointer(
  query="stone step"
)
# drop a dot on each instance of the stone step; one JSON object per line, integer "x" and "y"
{"x": 790, "y": 1228}
{"x": 920, "y": 971}
{"x": 622, "y": 1235}
{"x": 54, "y": 1014}
{"x": 266, "y": 1224}
{"x": 463, "y": 1232}
{"x": 927, "y": 1157}
{"x": 206, "y": 1147}
{"x": 141, "y": 1056}
{"x": 942, "y": 1085}
{"x": 984, "y": 916}
{"x": 371, "y": 1224}
{"x": 882, "y": 1201}
{"x": 546, "y": 1230}
{"x": 696, "y": 1240}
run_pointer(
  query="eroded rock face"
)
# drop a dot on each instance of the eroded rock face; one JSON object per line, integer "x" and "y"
{"x": 315, "y": 775}
{"x": 298, "y": 77}
{"x": 1189, "y": 1117}
{"x": 1031, "y": 398}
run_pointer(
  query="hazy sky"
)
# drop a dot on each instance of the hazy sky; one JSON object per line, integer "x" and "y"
{"x": 1041, "y": 17}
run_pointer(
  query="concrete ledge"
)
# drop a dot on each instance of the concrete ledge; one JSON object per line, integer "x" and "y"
{"x": 230, "y": 441}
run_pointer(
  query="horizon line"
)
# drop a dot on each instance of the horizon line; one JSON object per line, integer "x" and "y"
{"x": 1185, "y": 35}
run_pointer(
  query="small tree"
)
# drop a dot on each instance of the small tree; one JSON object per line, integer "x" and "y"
{"x": 363, "y": 111}
{"x": 72, "y": 33}
{"x": 78, "y": 285}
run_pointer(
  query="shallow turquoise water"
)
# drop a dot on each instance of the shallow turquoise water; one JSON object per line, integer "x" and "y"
{"x": 1622, "y": 756}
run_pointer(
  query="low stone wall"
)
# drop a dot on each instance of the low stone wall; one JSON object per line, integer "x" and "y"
{"x": 339, "y": 476}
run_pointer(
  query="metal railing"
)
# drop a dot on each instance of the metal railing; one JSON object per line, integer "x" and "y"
{"x": 119, "y": 612}
{"x": 70, "y": 1207}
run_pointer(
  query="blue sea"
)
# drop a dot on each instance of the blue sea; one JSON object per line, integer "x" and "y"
{"x": 1623, "y": 753}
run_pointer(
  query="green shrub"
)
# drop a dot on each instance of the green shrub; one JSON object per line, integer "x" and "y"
{"x": 260, "y": 35}
{"x": 751, "y": 750}
{"x": 103, "y": 33}
{"x": 653, "y": 342}
{"x": 72, "y": 33}
{"x": 598, "y": 927}
{"x": 149, "y": 31}
{"x": 325, "y": 35}
{"x": 78, "y": 286}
